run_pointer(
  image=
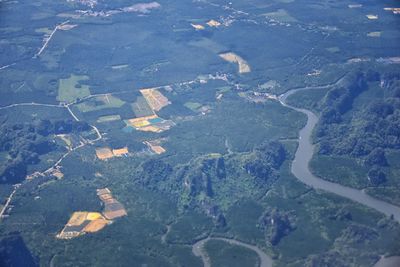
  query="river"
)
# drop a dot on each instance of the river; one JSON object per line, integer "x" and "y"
{"x": 198, "y": 250}
{"x": 304, "y": 153}
{"x": 300, "y": 169}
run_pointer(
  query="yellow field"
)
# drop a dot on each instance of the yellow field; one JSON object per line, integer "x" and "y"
{"x": 96, "y": 225}
{"x": 138, "y": 120}
{"x": 91, "y": 216}
{"x": 77, "y": 218}
{"x": 233, "y": 58}
{"x": 139, "y": 124}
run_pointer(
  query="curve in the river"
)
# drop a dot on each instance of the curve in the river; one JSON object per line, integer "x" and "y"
{"x": 304, "y": 153}
{"x": 198, "y": 250}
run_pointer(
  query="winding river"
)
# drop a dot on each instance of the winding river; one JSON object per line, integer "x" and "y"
{"x": 198, "y": 250}
{"x": 304, "y": 153}
{"x": 300, "y": 169}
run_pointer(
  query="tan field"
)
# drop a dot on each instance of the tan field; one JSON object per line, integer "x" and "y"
{"x": 110, "y": 203}
{"x": 105, "y": 197}
{"x": 77, "y": 218}
{"x": 120, "y": 152}
{"x": 103, "y": 191}
{"x": 104, "y": 153}
{"x": 66, "y": 27}
{"x": 213, "y": 23}
{"x": 197, "y": 26}
{"x": 82, "y": 222}
{"x": 233, "y": 58}
{"x": 140, "y": 122}
{"x": 96, "y": 225}
{"x": 58, "y": 174}
{"x": 155, "y": 99}
{"x": 155, "y": 147}
{"x": 151, "y": 128}
{"x": 110, "y": 215}
{"x": 372, "y": 17}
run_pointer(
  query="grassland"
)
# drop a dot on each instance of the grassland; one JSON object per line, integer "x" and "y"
{"x": 71, "y": 89}
{"x": 100, "y": 102}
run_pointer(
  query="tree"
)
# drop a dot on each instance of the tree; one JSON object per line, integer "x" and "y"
{"x": 376, "y": 176}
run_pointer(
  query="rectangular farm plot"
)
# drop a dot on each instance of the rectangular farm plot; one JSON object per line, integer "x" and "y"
{"x": 104, "y": 153}
{"x": 151, "y": 123}
{"x": 82, "y": 222}
{"x": 107, "y": 153}
{"x": 109, "y": 118}
{"x": 120, "y": 152}
{"x": 155, "y": 99}
{"x": 112, "y": 207}
{"x": 155, "y": 146}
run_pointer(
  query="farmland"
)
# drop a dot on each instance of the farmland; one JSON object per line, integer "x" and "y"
{"x": 132, "y": 131}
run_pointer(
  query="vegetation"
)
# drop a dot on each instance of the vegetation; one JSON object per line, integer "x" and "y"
{"x": 226, "y": 170}
{"x": 223, "y": 254}
{"x": 25, "y": 143}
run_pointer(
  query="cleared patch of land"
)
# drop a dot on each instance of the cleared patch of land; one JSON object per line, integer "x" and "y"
{"x": 155, "y": 146}
{"x": 118, "y": 67}
{"x": 374, "y": 34}
{"x": 372, "y": 17}
{"x": 112, "y": 207}
{"x": 197, "y": 26}
{"x": 70, "y": 89}
{"x": 155, "y": 99}
{"x": 107, "y": 153}
{"x": 213, "y": 23}
{"x": 193, "y": 105}
{"x": 280, "y": 15}
{"x": 233, "y": 58}
{"x": 82, "y": 222}
{"x": 151, "y": 123}
{"x": 109, "y": 118}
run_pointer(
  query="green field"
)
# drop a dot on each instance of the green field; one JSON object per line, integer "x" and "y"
{"x": 100, "y": 102}
{"x": 70, "y": 89}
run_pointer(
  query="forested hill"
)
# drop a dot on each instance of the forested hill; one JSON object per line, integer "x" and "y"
{"x": 22, "y": 144}
{"x": 370, "y": 129}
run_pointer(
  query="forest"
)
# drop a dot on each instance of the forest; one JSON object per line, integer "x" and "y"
{"x": 23, "y": 143}
{"x": 370, "y": 131}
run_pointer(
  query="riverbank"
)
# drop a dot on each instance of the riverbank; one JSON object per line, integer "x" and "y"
{"x": 300, "y": 166}
{"x": 198, "y": 250}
